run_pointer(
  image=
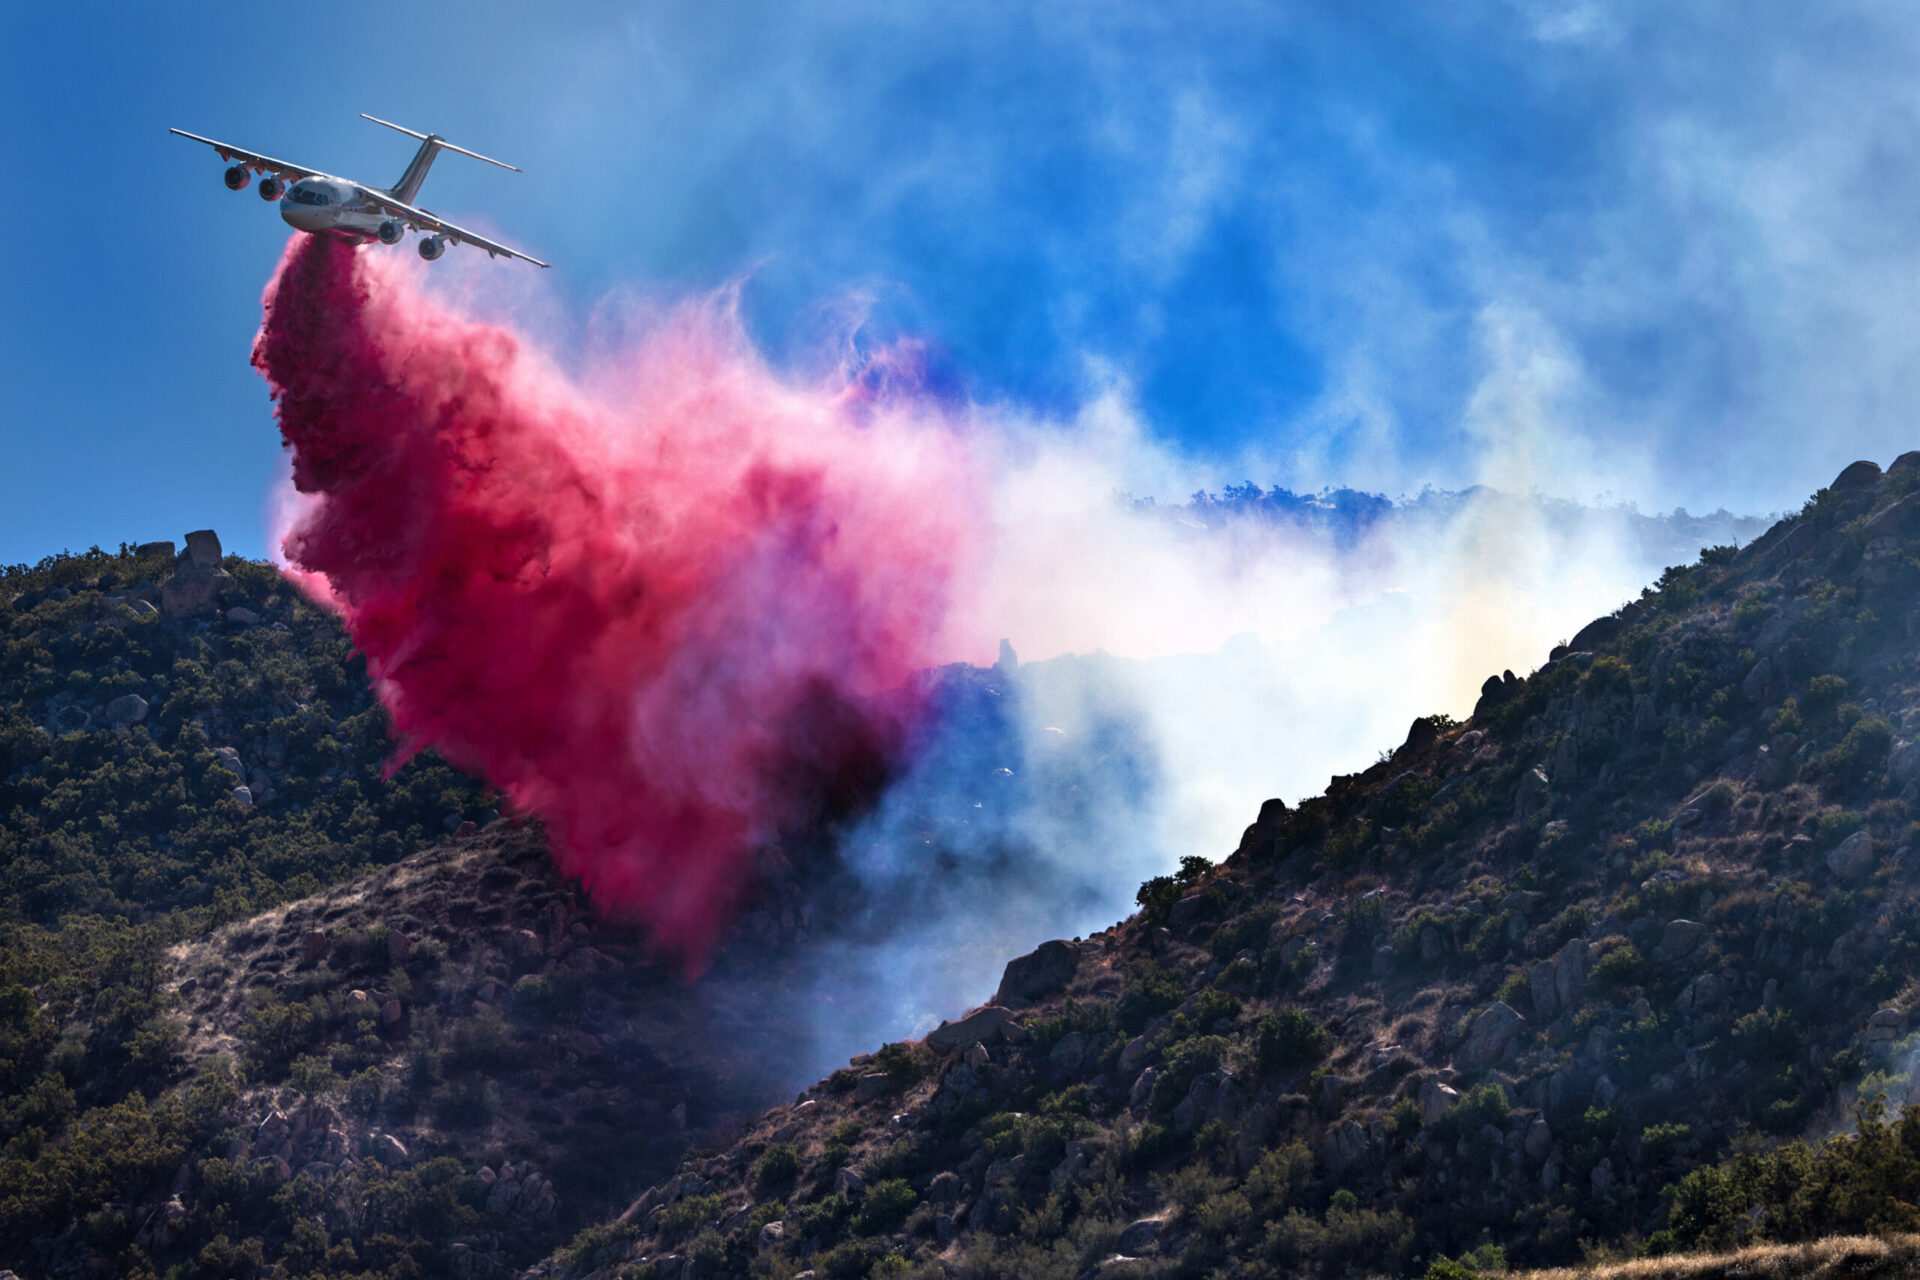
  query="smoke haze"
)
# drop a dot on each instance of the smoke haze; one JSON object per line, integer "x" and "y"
{"x": 678, "y": 604}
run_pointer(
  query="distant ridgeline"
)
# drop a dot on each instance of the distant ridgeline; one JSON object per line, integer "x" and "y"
{"x": 1347, "y": 515}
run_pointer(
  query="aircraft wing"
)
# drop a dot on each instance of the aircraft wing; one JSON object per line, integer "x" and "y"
{"x": 252, "y": 159}
{"x": 421, "y": 220}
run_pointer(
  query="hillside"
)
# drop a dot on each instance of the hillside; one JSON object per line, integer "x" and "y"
{"x": 247, "y": 973}
{"x": 1642, "y": 919}
{"x": 271, "y": 1012}
{"x": 183, "y": 742}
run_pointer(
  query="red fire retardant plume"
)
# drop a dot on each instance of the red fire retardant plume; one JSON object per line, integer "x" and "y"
{"x": 672, "y": 615}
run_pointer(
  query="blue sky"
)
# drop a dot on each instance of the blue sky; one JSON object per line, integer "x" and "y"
{"x": 1591, "y": 249}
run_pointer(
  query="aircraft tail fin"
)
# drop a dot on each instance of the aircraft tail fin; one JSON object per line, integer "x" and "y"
{"x": 430, "y": 145}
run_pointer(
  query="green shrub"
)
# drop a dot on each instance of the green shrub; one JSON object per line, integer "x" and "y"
{"x": 1288, "y": 1039}
{"x": 1824, "y": 694}
{"x": 313, "y": 1076}
{"x": 1619, "y": 967}
{"x": 1185, "y": 1061}
{"x": 775, "y": 1170}
{"x": 1156, "y": 898}
{"x": 1514, "y": 988}
{"x": 1482, "y": 1105}
{"x": 687, "y": 1215}
{"x": 1150, "y": 992}
{"x": 885, "y": 1207}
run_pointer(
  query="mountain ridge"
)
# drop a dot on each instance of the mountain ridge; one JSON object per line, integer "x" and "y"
{"x": 356, "y": 1025}
{"x": 1486, "y": 998}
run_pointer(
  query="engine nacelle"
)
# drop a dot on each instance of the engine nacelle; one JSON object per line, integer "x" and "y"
{"x": 391, "y": 231}
{"x": 238, "y": 178}
{"x": 271, "y": 188}
{"x": 432, "y": 247}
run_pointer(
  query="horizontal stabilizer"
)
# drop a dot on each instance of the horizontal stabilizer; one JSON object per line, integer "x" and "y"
{"x": 438, "y": 141}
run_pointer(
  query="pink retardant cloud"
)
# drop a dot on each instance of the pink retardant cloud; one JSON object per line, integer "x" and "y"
{"x": 673, "y": 615}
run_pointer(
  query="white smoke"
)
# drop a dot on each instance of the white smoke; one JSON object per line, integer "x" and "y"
{"x": 1181, "y": 665}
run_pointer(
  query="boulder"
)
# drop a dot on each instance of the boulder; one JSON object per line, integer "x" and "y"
{"x": 391, "y": 1012}
{"x": 390, "y": 1151}
{"x": 1139, "y": 1236}
{"x": 1534, "y": 795}
{"x": 243, "y": 796}
{"x": 1495, "y": 691}
{"x": 191, "y": 592}
{"x": 159, "y": 547}
{"x": 1436, "y": 1099}
{"x": 1700, "y": 996}
{"x": 1570, "y": 974}
{"x": 1899, "y": 519}
{"x": 1596, "y": 633}
{"x": 1068, "y": 1053}
{"x": 985, "y": 1025}
{"x": 1142, "y": 1091}
{"x": 1038, "y": 974}
{"x": 241, "y": 616}
{"x": 1540, "y": 985}
{"x": 1344, "y": 1146}
{"x": 1491, "y": 1036}
{"x": 270, "y": 1132}
{"x": 1681, "y": 938}
{"x": 128, "y": 708}
{"x": 1214, "y": 1095}
{"x": 1852, "y": 858}
{"x": 314, "y": 946}
{"x": 1886, "y": 1024}
{"x": 203, "y": 549}
{"x": 1538, "y": 1141}
{"x": 1907, "y": 461}
{"x": 1192, "y": 910}
{"x": 1903, "y": 764}
{"x": 1856, "y": 475}
{"x": 71, "y": 719}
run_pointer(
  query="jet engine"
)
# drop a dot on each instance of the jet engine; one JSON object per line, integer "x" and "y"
{"x": 237, "y": 178}
{"x": 391, "y": 231}
{"x": 432, "y": 247}
{"x": 272, "y": 188}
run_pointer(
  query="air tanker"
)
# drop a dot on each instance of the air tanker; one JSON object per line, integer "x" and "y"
{"x": 324, "y": 205}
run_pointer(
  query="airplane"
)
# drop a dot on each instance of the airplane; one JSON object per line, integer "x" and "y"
{"x": 322, "y": 204}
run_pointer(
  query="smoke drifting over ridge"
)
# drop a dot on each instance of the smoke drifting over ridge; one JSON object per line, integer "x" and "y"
{"x": 671, "y": 617}
{"x": 676, "y": 604}
{"x": 1244, "y": 658}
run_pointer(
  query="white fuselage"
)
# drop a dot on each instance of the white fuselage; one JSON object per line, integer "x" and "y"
{"x": 326, "y": 206}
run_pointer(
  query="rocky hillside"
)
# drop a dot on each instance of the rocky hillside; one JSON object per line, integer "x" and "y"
{"x": 1571, "y": 979}
{"x": 265, "y": 1010}
{"x": 243, "y": 972}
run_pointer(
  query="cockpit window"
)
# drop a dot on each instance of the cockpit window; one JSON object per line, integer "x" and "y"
{"x": 310, "y": 195}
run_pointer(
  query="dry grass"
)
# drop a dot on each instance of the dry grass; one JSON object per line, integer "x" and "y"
{"x": 1854, "y": 1257}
